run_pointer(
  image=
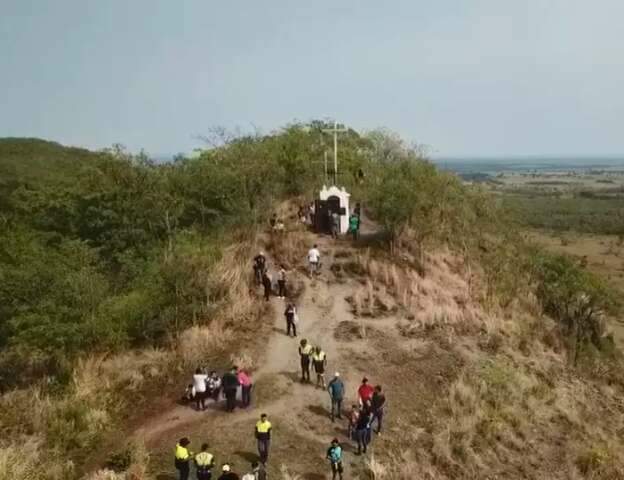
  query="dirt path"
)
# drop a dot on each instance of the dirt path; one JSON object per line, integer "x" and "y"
{"x": 296, "y": 407}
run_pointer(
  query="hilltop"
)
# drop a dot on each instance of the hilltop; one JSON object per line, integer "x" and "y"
{"x": 493, "y": 354}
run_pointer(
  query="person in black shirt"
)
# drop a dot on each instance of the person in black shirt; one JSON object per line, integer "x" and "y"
{"x": 259, "y": 267}
{"x": 230, "y": 385}
{"x": 378, "y": 404}
{"x": 290, "y": 314}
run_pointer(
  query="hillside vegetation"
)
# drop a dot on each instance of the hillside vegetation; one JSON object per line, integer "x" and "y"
{"x": 119, "y": 275}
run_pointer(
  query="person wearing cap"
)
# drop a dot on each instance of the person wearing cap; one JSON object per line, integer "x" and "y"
{"x": 334, "y": 455}
{"x": 204, "y": 463}
{"x": 227, "y": 473}
{"x": 183, "y": 457}
{"x": 263, "y": 437}
{"x": 365, "y": 392}
{"x": 336, "y": 390}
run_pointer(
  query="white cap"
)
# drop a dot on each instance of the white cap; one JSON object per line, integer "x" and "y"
{"x": 225, "y": 468}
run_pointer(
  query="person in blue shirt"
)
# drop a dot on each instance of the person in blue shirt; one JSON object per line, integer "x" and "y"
{"x": 336, "y": 390}
{"x": 334, "y": 455}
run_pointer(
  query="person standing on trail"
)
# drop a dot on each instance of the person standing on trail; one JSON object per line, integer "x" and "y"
{"x": 291, "y": 319}
{"x": 230, "y": 385}
{"x": 362, "y": 429}
{"x": 213, "y": 386}
{"x": 182, "y": 458}
{"x": 378, "y": 404}
{"x": 305, "y": 353}
{"x": 354, "y": 226}
{"x": 365, "y": 392}
{"x": 335, "y": 224}
{"x": 227, "y": 473}
{"x": 259, "y": 267}
{"x": 319, "y": 359}
{"x": 314, "y": 260}
{"x": 199, "y": 384}
{"x": 246, "y": 385}
{"x": 281, "y": 282}
{"x": 354, "y": 416}
{"x": 267, "y": 283}
{"x": 334, "y": 455}
{"x": 336, "y": 390}
{"x": 204, "y": 463}
{"x": 263, "y": 437}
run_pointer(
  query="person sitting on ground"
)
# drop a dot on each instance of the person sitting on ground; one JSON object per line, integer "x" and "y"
{"x": 182, "y": 458}
{"x": 281, "y": 282}
{"x": 213, "y": 385}
{"x": 204, "y": 463}
{"x": 365, "y": 392}
{"x": 378, "y": 403}
{"x": 334, "y": 455}
{"x": 199, "y": 384}
{"x": 267, "y": 283}
{"x": 291, "y": 319}
{"x": 259, "y": 267}
{"x": 228, "y": 474}
{"x": 319, "y": 360}
{"x": 230, "y": 385}
{"x": 314, "y": 260}
{"x": 354, "y": 416}
{"x": 336, "y": 390}
{"x": 189, "y": 394}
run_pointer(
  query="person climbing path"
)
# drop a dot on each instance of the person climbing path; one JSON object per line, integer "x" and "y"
{"x": 291, "y": 319}
{"x": 305, "y": 353}
{"x": 263, "y": 437}
{"x": 336, "y": 390}
{"x": 319, "y": 359}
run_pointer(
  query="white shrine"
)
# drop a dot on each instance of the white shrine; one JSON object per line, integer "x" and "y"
{"x": 337, "y": 200}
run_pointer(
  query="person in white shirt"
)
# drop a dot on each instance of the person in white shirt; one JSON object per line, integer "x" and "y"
{"x": 314, "y": 259}
{"x": 199, "y": 384}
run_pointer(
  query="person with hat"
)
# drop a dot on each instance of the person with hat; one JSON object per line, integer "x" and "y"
{"x": 204, "y": 463}
{"x": 263, "y": 437}
{"x": 336, "y": 390}
{"x": 227, "y": 473}
{"x": 334, "y": 455}
{"x": 183, "y": 457}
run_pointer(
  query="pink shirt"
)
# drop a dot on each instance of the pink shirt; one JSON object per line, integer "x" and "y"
{"x": 244, "y": 379}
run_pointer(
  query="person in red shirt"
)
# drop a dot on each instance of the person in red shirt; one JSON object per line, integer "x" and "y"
{"x": 365, "y": 392}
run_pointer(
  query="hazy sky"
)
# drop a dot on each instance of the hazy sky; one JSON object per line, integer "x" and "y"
{"x": 468, "y": 77}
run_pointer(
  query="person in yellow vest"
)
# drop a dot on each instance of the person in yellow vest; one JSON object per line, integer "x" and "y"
{"x": 263, "y": 436}
{"x": 204, "y": 462}
{"x": 319, "y": 359}
{"x": 305, "y": 352}
{"x": 183, "y": 457}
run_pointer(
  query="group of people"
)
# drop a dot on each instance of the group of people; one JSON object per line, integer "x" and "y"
{"x": 211, "y": 386}
{"x": 264, "y": 277}
{"x": 204, "y": 461}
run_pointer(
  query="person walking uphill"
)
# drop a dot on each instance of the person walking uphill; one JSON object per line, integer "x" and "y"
{"x": 314, "y": 260}
{"x": 334, "y": 455}
{"x": 319, "y": 359}
{"x": 182, "y": 458}
{"x": 267, "y": 283}
{"x": 305, "y": 353}
{"x": 259, "y": 267}
{"x": 378, "y": 404}
{"x": 336, "y": 390}
{"x": 204, "y": 463}
{"x": 230, "y": 386}
{"x": 291, "y": 319}
{"x": 263, "y": 437}
{"x": 281, "y": 282}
